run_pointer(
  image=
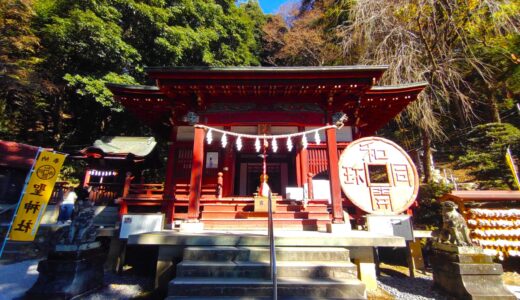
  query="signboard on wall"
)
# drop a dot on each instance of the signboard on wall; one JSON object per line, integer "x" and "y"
{"x": 378, "y": 176}
{"x": 211, "y": 160}
{"x": 140, "y": 223}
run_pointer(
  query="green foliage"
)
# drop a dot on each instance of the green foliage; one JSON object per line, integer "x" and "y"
{"x": 486, "y": 148}
{"x": 21, "y": 104}
{"x": 72, "y": 171}
{"x": 428, "y": 212}
{"x": 205, "y": 33}
{"x": 60, "y": 54}
{"x": 91, "y": 87}
{"x": 84, "y": 42}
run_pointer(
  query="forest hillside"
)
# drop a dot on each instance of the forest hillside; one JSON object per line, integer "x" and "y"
{"x": 57, "y": 55}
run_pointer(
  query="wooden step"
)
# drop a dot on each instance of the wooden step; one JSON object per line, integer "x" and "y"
{"x": 251, "y": 207}
{"x": 263, "y": 215}
{"x": 255, "y": 224}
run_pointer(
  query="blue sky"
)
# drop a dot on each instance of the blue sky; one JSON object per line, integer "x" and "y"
{"x": 270, "y": 6}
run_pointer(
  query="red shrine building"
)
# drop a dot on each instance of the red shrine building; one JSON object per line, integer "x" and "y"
{"x": 212, "y": 176}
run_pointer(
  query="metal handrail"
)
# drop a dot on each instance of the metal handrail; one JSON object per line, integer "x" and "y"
{"x": 272, "y": 246}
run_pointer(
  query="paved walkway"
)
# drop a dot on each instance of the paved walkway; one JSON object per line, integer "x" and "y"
{"x": 17, "y": 278}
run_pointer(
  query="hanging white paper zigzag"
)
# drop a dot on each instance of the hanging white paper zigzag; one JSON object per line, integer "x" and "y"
{"x": 223, "y": 140}
{"x": 317, "y": 138}
{"x": 289, "y": 144}
{"x": 275, "y": 145}
{"x": 239, "y": 143}
{"x": 209, "y": 137}
{"x": 304, "y": 142}
{"x": 257, "y": 145}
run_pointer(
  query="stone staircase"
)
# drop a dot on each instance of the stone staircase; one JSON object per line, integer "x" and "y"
{"x": 243, "y": 273}
{"x": 289, "y": 215}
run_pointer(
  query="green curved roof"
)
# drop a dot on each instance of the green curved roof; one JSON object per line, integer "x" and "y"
{"x": 138, "y": 146}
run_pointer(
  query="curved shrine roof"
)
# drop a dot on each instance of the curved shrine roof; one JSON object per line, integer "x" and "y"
{"x": 120, "y": 146}
{"x": 238, "y": 94}
{"x": 17, "y": 155}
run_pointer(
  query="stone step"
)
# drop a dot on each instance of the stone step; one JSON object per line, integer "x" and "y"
{"x": 261, "y": 254}
{"x": 263, "y": 215}
{"x": 247, "y": 298}
{"x": 255, "y": 224}
{"x": 262, "y": 269}
{"x": 279, "y": 207}
{"x": 287, "y": 287}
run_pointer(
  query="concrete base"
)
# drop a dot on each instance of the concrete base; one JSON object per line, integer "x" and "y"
{"x": 191, "y": 227}
{"x": 363, "y": 258}
{"x": 338, "y": 228}
{"x": 467, "y": 273}
{"x": 74, "y": 248}
{"x": 64, "y": 275}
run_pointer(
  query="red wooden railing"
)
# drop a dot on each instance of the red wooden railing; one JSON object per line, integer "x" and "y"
{"x": 152, "y": 194}
{"x": 141, "y": 195}
{"x": 104, "y": 193}
{"x": 57, "y": 192}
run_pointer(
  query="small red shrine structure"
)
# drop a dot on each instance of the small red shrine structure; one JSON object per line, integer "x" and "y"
{"x": 203, "y": 178}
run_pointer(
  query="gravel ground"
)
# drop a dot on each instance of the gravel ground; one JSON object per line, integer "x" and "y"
{"x": 395, "y": 280}
{"x": 404, "y": 288}
{"x": 16, "y": 278}
{"x": 122, "y": 287}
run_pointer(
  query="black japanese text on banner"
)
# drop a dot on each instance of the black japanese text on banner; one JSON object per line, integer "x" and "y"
{"x": 37, "y": 194}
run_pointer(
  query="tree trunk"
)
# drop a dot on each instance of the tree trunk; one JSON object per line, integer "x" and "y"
{"x": 427, "y": 153}
{"x": 495, "y": 114}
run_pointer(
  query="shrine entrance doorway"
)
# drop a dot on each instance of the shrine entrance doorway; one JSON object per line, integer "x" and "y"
{"x": 249, "y": 167}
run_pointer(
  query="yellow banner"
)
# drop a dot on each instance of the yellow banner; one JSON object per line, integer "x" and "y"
{"x": 36, "y": 196}
{"x": 511, "y": 164}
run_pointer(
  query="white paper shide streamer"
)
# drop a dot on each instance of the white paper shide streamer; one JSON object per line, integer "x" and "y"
{"x": 239, "y": 143}
{"x": 223, "y": 140}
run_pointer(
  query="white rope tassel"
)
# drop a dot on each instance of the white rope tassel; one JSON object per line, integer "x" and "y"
{"x": 209, "y": 137}
{"x": 275, "y": 145}
{"x": 252, "y": 136}
{"x": 304, "y": 142}
{"x": 317, "y": 137}
{"x": 289, "y": 144}
{"x": 257, "y": 145}
{"x": 239, "y": 143}
{"x": 223, "y": 140}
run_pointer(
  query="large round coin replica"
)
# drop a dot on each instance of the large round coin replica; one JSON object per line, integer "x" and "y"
{"x": 378, "y": 176}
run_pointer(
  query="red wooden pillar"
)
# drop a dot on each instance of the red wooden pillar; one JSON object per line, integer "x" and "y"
{"x": 228, "y": 168}
{"x": 123, "y": 207}
{"x": 304, "y": 162}
{"x": 304, "y": 165}
{"x": 335, "y": 190}
{"x": 196, "y": 174}
{"x": 229, "y": 172}
{"x": 86, "y": 180}
{"x": 357, "y": 133}
{"x": 310, "y": 189}
{"x": 220, "y": 184}
{"x": 298, "y": 170}
{"x": 169, "y": 183}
